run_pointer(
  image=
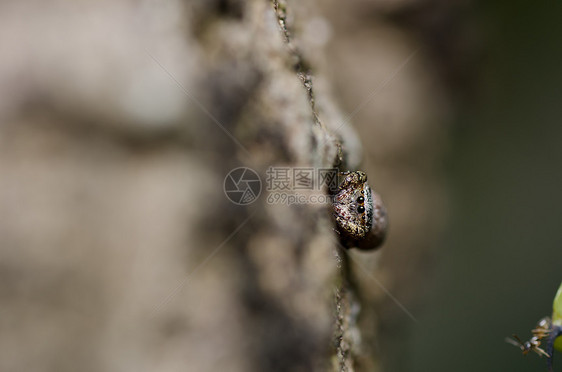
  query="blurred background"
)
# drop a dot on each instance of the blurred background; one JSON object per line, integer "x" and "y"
{"x": 471, "y": 171}
{"x": 117, "y": 122}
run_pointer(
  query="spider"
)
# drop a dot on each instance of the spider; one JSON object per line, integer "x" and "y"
{"x": 359, "y": 213}
{"x": 541, "y": 331}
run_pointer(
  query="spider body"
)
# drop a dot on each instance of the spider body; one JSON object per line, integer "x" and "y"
{"x": 359, "y": 213}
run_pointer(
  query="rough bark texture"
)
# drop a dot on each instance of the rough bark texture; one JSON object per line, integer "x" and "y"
{"x": 118, "y": 248}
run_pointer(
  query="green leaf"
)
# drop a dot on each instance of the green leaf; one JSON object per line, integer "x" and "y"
{"x": 557, "y": 307}
{"x": 557, "y": 316}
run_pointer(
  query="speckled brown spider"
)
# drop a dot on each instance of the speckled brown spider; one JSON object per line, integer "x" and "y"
{"x": 359, "y": 213}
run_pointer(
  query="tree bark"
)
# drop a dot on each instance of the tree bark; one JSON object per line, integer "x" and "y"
{"x": 120, "y": 250}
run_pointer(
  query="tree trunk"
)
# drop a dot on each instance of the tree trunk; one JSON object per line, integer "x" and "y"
{"x": 120, "y": 249}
